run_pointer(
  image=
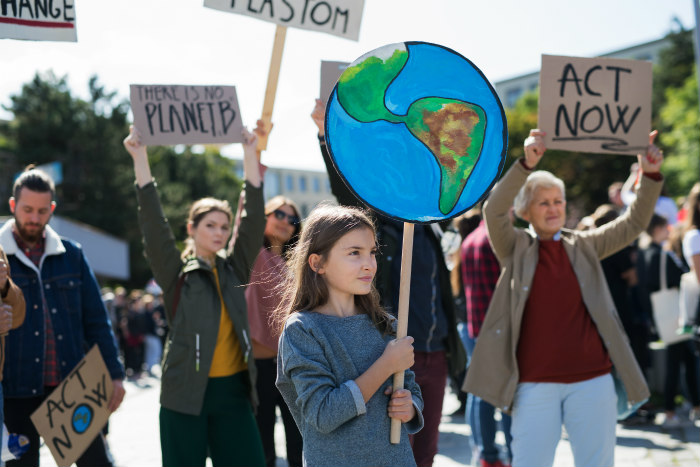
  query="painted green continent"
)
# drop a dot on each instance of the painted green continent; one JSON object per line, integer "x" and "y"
{"x": 453, "y": 130}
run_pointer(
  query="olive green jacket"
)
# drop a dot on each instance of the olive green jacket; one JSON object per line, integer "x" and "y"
{"x": 194, "y": 325}
{"x": 493, "y": 371}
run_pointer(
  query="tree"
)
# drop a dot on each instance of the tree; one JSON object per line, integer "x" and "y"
{"x": 50, "y": 124}
{"x": 681, "y": 114}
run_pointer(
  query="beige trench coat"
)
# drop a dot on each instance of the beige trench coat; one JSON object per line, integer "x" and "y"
{"x": 493, "y": 371}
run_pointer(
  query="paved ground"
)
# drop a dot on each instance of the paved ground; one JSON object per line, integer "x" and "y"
{"x": 134, "y": 438}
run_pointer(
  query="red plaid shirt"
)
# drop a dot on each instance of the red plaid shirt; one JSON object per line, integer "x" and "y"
{"x": 51, "y": 374}
{"x": 480, "y": 271}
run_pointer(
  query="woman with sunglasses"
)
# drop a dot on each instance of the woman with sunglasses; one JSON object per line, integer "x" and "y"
{"x": 263, "y": 295}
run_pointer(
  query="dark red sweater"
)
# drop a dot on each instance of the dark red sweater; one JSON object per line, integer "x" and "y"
{"x": 559, "y": 342}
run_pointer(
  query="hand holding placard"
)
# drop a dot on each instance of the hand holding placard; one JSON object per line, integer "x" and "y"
{"x": 534, "y": 148}
{"x": 652, "y": 160}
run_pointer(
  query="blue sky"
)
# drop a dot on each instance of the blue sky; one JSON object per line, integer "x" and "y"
{"x": 181, "y": 42}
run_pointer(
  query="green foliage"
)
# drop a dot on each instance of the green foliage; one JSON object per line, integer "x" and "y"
{"x": 50, "y": 124}
{"x": 681, "y": 115}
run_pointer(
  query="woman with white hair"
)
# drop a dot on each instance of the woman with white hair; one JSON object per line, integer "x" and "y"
{"x": 552, "y": 350}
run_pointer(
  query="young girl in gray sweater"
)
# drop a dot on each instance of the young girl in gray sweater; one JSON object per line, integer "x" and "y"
{"x": 337, "y": 351}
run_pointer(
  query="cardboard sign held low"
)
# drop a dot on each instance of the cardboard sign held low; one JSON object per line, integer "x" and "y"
{"x": 178, "y": 114}
{"x": 76, "y": 411}
{"x": 598, "y": 105}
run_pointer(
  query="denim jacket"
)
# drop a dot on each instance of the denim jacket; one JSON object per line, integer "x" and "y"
{"x": 65, "y": 280}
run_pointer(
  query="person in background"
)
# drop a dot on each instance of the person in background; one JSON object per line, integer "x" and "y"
{"x": 551, "y": 334}
{"x": 65, "y": 315}
{"x": 679, "y": 354}
{"x": 480, "y": 272}
{"x": 263, "y": 296}
{"x": 208, "y": 378}
{"x": 12, "y": 311}
{"x": 464, "y": 224}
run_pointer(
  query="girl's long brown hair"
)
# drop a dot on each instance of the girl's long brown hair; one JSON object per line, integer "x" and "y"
{"x": 304, "y": 289}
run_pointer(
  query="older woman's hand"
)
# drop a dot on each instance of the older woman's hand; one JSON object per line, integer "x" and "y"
{"x": 534, "y": 148}
{"x": 651, "y": 162}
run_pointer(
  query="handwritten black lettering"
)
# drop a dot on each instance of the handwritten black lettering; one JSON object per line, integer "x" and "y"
{"x": 344, "y": 14}
{"x": 51, "y": 406}
{"x": 584, "y": 118}
{"x": 100, "y": 392}
{"x": 262, "y": 7}
{"x": 291, "y": 12}
{"x": 621, "y": 118}
{"x": 67, "y": 7}
{"x": 66, "y": 442}
{"x": 588, "y": 76}
{"x": 328, "y": 14}
{"x": 11, "y": 3}
{"x": 569, "y": 69}
{"x": 562, "y": 112}
{"x": 617, "y": 71}
{"x": 76, "y": 372}
{"x": 228, "y": 115}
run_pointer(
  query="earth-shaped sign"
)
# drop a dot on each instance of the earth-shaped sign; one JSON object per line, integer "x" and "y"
{"x": 416, "y": 131}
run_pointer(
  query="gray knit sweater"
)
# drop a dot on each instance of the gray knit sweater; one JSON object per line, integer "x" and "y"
{"x": 319, "y": 358}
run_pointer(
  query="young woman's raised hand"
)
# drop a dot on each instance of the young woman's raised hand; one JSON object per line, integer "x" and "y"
{"x": 138, "y": 153}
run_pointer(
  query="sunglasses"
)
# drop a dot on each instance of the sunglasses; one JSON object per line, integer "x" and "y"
{"x": 281, "y": 215}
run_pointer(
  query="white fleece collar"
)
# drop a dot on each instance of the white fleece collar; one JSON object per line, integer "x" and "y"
{"x": 53, "y": 245}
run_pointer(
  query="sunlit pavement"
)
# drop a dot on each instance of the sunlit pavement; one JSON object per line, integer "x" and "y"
{"x": 134, "y": 440}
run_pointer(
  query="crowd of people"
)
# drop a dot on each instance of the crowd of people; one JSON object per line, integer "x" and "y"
{"x": 540, "y": 327}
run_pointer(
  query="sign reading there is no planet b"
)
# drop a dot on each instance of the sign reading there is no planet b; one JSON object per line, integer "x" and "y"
{"x": 38, "y": 20}
{"x": 181, "y": 114}
{"x": 598, "y": 105}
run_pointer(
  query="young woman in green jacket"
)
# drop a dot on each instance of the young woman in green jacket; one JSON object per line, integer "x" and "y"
{"x": 208, "y": 380}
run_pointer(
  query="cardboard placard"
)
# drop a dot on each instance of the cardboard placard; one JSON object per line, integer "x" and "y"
{"x": 76, "y": 411}
{"x": 600, "y": 105}
{"x": 337, "y": 17}
{"x": 38, "y": 20}
{"x": 182, "y": 114}
{"x": 330, "y": 72}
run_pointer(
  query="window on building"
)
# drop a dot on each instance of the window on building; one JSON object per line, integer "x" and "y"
{"x": 288, "y": 183}
{"x": 302, "y": 184}
{"x": 316, "y": 184}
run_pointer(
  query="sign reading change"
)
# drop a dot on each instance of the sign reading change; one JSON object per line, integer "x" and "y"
{"x": 39, "y": 20}
{"x": 179, "y": 114}
{"x": 75, "y": 412}
{"x": 337, "y": 17}
{"x": 598, "y": 105}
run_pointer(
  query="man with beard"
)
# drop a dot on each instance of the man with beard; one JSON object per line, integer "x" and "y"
{"x": 65, "y": 315}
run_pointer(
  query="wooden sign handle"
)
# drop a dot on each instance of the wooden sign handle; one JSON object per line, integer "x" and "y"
{"x": 272, "y": 79}
{"x": 402, "y": 328}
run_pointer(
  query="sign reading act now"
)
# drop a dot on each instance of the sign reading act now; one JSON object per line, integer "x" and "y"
{"x": 75, "y": 412}
{"x": 595, "y": 104}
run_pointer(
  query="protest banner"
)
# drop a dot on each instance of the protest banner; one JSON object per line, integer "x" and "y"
{"x": 417, "y": 146}
{"x": 39, "y": 20}
{"x": 183, "y": 114}
{"x": 76, "y": 411}
{"x": 337, "y": 17}
{"x": 600, "y": 105}
{"x": 330, "y": 72}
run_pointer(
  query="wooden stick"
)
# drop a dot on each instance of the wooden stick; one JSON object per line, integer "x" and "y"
{"x": 272, "y": 79}
{"x": 401, "y": 331}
